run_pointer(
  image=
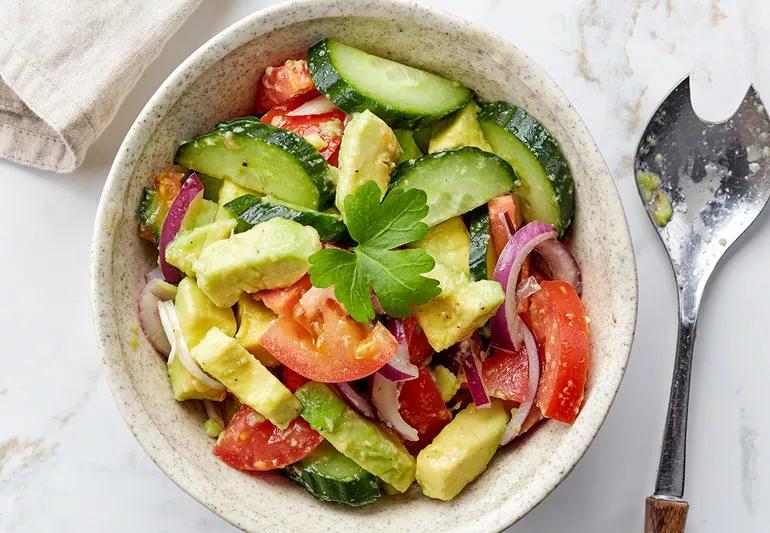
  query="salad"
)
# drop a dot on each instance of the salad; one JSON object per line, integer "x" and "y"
{"x": 365, "y": 283}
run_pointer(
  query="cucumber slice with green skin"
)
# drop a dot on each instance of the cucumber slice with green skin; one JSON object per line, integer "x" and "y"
{"x": 456, "y": 181}
{"x": 250, "y": 210}
{"x": 263, "y": 158}
{"x": 409, "y": 148}
{"x": 150, "y": 213}
{"x": 402, "y": 96}
{"x": 211, "y": 186}
{"x": 422, "y": 138}
{"x": 547, "y": 192}
{"x": 478, "y": 222}
{"x": 331, "y": 477}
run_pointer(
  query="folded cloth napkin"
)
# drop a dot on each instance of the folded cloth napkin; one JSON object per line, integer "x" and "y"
{"x": 65, "y": 67}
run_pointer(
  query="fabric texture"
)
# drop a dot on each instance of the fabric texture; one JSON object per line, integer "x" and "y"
{"x": 66, "y": 66}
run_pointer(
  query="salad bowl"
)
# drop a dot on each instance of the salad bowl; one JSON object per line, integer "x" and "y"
{"x": 219, "y": 81}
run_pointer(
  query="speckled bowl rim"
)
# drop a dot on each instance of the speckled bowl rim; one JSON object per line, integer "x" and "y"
{"x": 146, "y": 432}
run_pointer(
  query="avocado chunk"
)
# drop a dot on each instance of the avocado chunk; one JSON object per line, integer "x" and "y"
{"x": 185, "y": 386}
{"x": 229, "y": 192}
{"x": 253, "y": 319}
{"x": 446, "y": 382}
{"x": 272, "y": 254}
{"x": 197, "y": 314}
{"x": 188, "y": 245}
{"x": 200, "y": 213}
{"x": 461, "y": 308}
{"x": 355, "y": 437}
{"x": 461, "y": 128}
{"x": 368, "y": 152}
{"x": 462, "y": 451}
{"x": 448, "y": 243}
{"x": 227, "y": 361}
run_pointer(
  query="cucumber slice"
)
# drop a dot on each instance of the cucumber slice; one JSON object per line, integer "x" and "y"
{"x": 211, "y": 186}
{"x": 151, "y": 213}
{"x": 456, "y": 181}
{"x": 422, "y": 138}
{"x": 400, "y": 95}
{"x": 250, "y": 210}
{"x": 263, "y": 158}
{"x": 409, "y": 148}
{"x": 546, "y": 191}
{"x": 478, "y": 220}
{"x": 331, "y": 477}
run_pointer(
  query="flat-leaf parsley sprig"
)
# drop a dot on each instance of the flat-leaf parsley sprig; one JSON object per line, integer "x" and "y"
{"x": 373, "y": 264}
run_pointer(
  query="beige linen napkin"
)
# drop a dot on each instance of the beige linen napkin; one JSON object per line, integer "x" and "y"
{"x": 65, "y": 67}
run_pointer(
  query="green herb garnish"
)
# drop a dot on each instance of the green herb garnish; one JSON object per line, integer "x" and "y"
{"x": 394, "y": 275}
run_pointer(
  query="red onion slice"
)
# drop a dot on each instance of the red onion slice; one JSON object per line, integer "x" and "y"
{"x": 317, "y": 106}
{"x": 561, "y": 262}
{"x": 385, "y": 399}
{"x": 471, "y": 365}
{"x": 399, "y": 368}
{"x": 527, "y": 288}
{"x": 192, "y": 189}
{"x": 171, "y": 326}
{"x": 506, "y": 273}
{"x": 154, "y": 291}
{"x": 517, "y": 419}
{"x": 356, "y": 400}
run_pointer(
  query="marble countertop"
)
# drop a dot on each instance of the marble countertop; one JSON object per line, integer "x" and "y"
{"x": 68, "y": 462}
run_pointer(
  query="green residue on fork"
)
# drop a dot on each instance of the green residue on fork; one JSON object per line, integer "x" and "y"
{"x": 658, "y": 201}
{"x": 649, "y": 184}
{"x": 661, "y": 209}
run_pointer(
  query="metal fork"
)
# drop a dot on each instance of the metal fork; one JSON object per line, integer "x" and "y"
{"x": 715, "y": 178}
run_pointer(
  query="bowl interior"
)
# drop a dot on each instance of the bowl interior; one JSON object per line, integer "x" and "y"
{"x": 218, "y": 82}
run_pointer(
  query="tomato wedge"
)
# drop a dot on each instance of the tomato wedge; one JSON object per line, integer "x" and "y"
{"x": 419, "y": 347}
{"x": 422, "y": 407}
{"x": 252, "y": 443}
{"x": 559, "y": 325}
{"x": 291, "y": 379}
{"x": 326, "y": 344}
{"x": 506, "y": 374}
{"x": 282, "y": 301}
{"x": 283, "y": 83}
{"x": 498, "y": 226}
{"x": 324, "y": 131}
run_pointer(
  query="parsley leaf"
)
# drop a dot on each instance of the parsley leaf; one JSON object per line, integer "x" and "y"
{"x": 394, "y": 275}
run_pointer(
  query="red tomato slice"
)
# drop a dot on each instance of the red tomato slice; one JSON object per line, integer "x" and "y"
{"x": 498, "y": 227}
{"x": 252, "y": 443}
{"x": 324, "y": 131}
{"x": 419, "y": 347}
{"x": 283, "y": 83}
{"x": 291, "y": 379}
{"x": 330, "y": 347}
{"x": 282, "y": 301}
{"x": 423, "y": 408}
{"x": 506, "y": 374}
{"x": 559, "y": 325}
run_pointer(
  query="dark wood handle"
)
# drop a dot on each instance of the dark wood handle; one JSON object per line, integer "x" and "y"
{"x": 665, "y": 516}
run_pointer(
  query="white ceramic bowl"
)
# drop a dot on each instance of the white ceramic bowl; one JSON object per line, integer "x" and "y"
{"x": 219, "y": 81}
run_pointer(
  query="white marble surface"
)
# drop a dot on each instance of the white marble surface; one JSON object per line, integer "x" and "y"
{"x": 68, "y": 463}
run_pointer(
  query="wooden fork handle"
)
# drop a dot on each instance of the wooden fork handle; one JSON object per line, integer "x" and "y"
{"x": 664, "y": 515}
